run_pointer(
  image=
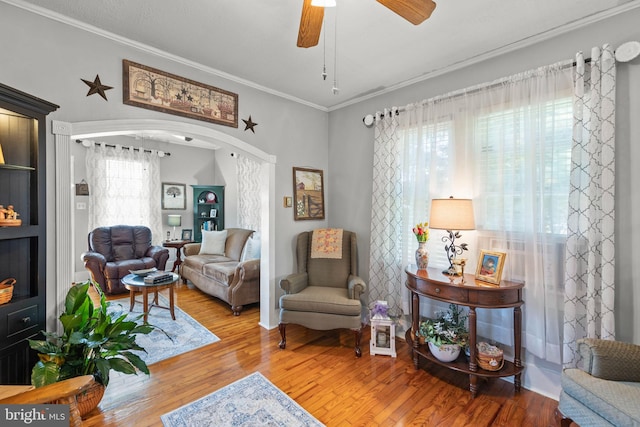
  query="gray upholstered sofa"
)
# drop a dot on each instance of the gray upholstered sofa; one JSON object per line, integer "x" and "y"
{"x": 228, "y": 276}
{"x": 605, "y": 391}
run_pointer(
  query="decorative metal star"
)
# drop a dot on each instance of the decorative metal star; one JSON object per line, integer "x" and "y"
{"x": 249, "y": 124}
{"x": 96, "y": 86}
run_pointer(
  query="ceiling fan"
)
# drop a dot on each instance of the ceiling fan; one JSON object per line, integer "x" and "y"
{"x": 414, "y": 11}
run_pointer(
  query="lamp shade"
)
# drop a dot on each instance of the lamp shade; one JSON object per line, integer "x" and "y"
{"x": 174, "y": 220}
{"x": 452, "y": 214}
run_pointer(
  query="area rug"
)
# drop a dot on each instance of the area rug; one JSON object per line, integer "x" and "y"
{"x": 182, "y": 335}
{"x": 250, "y": 401}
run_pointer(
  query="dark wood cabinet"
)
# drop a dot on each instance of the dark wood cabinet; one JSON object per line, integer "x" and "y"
{"x": 466, "y": 291}
{"x": 208, "y": 209}
{"x": 23, "y": 246}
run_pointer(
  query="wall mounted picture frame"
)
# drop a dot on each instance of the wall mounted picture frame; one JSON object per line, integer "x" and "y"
{"x": 308, "y": 194}
{"x": 154, "y": 89}
{"x": 174, "y": 196}
{"x": 490, "y": 265}
{"x": 187, "y": 234}
{"x": 82, "y": 188}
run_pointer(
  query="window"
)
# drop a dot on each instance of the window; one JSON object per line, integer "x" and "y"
{"x": 124, "y": 186}
{"x": 127, "y": 184}
{"x": 506, "y": 145}
{"x": 510, "y": 164}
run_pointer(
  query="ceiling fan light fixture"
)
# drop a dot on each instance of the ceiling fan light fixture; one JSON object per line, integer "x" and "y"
{"x": 323, "y": 3}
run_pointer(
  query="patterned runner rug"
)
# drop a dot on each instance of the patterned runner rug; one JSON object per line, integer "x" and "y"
{"x": 184, "y": 333}
{"x": 250, "y": 401}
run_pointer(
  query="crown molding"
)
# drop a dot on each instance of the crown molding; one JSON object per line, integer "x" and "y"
{"x": 526, "y": 42}
{"x": 154, "y": 51}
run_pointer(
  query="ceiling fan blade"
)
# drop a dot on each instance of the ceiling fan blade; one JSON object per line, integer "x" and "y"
{"x": 414, "y": 11}
{"x": 310, "y": 24}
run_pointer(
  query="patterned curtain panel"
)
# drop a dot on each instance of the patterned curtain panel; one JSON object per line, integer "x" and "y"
{"x": 125, "y": 188}
{"x": 248, "y": 171}
{"x": 386, "y": 272}
{"x": 590, "y": 249}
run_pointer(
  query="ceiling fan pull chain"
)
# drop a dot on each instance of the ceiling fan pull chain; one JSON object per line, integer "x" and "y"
{"x": 335, "y": 88}
{"x": 324, "y": 49}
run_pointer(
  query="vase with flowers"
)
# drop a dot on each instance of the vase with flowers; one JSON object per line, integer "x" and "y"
{"x": 421, "y": 231}
{"x": 447, "y": 334}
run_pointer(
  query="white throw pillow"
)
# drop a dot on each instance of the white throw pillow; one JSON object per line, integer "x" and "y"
{"x": 251, "y": 248}
{"x": 213, "y": 242}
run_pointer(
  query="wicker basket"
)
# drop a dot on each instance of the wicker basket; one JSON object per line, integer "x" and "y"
{"x": 6, "y": 290}
{"x": 89, "y": 399}
{"x": 490, "y": 357}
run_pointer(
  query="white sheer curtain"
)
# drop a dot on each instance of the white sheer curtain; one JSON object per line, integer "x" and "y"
{"x": 249, "y": 203}
{"x": 507, "y": 146}
{"x": 249, "y": 206}
{"x": 590, "y": 285}
{"x": 125, "y": 188}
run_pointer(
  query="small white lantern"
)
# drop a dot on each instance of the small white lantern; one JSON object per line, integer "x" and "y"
{"x": 383, "y": 332}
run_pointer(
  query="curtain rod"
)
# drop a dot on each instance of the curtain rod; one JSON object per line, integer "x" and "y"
{"x": 626, "y": 52}
{"x": 369, "y": 119}
{"x": 79, "y": 141}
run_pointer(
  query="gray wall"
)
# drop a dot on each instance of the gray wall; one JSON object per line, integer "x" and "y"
{"x": 48, "y": 59}
{"x": 351, "y": 154}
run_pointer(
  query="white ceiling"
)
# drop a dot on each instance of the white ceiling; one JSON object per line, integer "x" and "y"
{"x": 254, "y": 41}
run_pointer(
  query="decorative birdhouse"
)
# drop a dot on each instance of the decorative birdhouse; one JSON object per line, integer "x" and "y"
{"x": 383, "y": 331}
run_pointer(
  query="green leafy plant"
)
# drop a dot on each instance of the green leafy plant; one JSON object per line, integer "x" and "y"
{"x": 92, "y": 342}
{"x": 449, "y": 327}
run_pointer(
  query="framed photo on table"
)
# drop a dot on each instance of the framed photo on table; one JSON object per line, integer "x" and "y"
{"x": 490, "y": 265}
{"x": 174, "y": 196}
{"x": 187, "y": 234}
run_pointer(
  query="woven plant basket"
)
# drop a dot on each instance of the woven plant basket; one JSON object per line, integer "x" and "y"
{"x": 490, "y": 357}
{"x": 6, "y": 290}
{"x": 88, "y": 400}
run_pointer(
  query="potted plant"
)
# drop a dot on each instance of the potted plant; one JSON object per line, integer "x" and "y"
{"x": 447, "y": 334}
{"x": 92, "y": 343}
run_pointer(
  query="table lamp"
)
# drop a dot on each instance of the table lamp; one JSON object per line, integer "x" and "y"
{"x": 175, "y": 221}
{"x": 452, "y": 215}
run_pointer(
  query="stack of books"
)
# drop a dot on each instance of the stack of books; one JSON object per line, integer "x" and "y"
{"x": 157, "y": 277}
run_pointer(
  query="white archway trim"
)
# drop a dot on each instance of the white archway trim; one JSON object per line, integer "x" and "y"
{"x": 120, "y": 127}
{"x": 65, "y": 133}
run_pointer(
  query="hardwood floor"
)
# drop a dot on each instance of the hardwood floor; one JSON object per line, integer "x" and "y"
{"x": 319, "y": 370}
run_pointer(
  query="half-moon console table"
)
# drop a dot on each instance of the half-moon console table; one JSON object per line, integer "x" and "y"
{"x": 432, "y": 283}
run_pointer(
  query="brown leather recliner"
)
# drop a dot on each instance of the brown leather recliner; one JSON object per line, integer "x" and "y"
{"x": 113, "y": 251}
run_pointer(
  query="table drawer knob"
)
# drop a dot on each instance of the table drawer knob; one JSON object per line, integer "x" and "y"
{"x": 437, "y": 290}
{"x": 26, "y": 320}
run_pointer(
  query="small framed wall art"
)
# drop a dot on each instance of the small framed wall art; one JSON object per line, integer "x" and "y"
{"x": 490, "y": 265}
{"x": 174, "y": 196}
{"x": 308, "y": 194}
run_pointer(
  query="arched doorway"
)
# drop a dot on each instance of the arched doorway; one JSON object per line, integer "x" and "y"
{"x": 64, "y": 135}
